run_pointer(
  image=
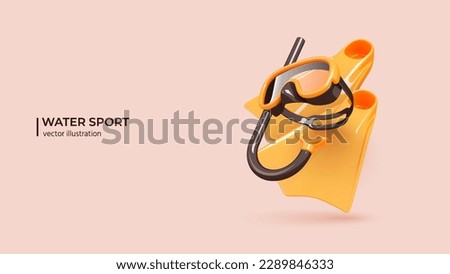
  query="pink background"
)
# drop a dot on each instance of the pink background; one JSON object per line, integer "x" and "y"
{"x": 97, "y": 58}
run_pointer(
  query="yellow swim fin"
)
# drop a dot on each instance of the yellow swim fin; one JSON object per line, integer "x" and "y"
{"x": 332, "y": 172}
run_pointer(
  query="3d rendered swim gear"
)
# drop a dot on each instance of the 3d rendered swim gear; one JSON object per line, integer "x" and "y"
{"x": 285, "y": 87}
{"x": 330, "y": 166}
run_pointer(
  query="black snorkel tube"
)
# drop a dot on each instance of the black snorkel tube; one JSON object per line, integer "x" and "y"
{"x": 253, "y": 146}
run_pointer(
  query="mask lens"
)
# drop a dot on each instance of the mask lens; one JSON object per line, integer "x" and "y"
{"x": 312, "y": 82}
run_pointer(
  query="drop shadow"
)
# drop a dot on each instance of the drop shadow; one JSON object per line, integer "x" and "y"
{"x": 302, "y": 218}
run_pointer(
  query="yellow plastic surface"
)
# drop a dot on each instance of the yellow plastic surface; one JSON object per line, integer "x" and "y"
{"x": 332, "y": 172}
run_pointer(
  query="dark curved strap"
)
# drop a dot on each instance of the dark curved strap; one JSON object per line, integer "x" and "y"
{"x": 310, "y": 121}
{"x": 256, "y": 166}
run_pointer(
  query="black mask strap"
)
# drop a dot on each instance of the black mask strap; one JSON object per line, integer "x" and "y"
{"x": 312, "y": 121}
